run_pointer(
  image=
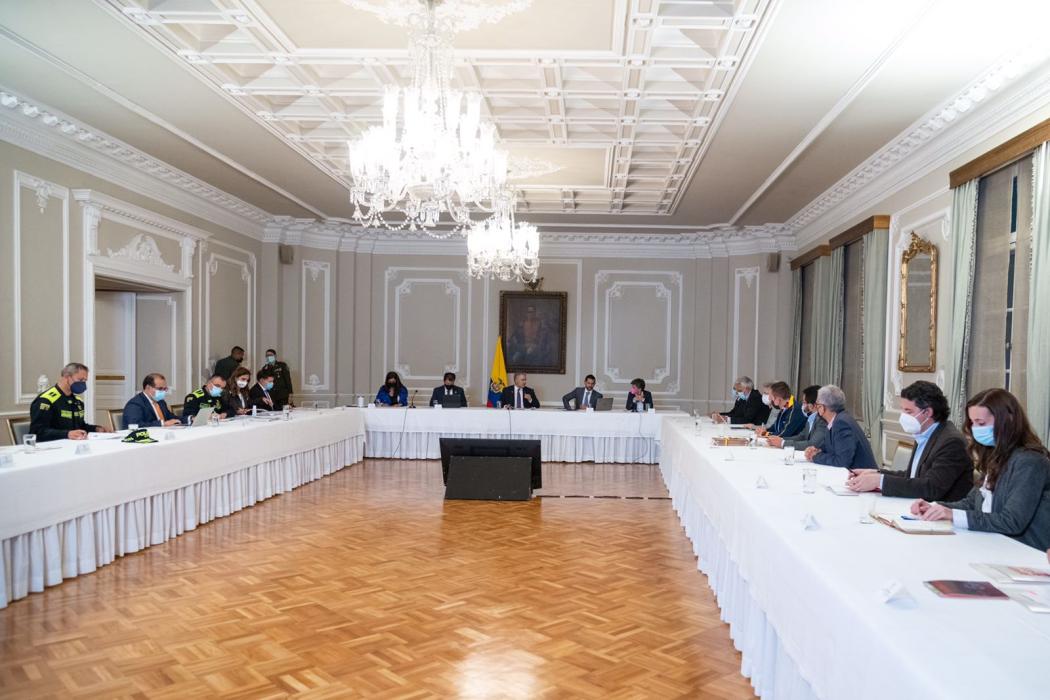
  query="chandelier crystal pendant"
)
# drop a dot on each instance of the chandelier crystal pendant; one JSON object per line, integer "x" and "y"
{"x": 433, "y": 154}
{"x": 501, "y": 247}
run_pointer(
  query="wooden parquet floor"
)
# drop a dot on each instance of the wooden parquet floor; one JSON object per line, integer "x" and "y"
{"x": 368, "y": 584}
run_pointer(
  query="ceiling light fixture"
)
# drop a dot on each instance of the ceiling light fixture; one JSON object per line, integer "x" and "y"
{"x": 433, "y": 153}
{"x": 501, "y": 247}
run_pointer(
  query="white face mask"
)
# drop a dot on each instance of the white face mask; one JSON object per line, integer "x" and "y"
{"x": 765, "y": 399}
{"x": 910, "y": 424}
{"x": 242, "y": 383}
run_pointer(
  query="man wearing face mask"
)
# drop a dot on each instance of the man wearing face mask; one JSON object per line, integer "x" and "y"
{"x": 940, "y": 467}
{"x": 209, "y": 395}
{"x": 261, "y": 395}
{"x": 282, "y": 378}
{"x": 149, "y": 408}
{"x": 747, "y": 408}
{"x": 58, "y": 413}
{"x": 846, "y": 446}
{"x": 814, "y": 432}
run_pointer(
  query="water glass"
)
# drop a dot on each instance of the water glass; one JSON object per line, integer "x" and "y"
{"x": 133, "y": 426}
{"x": 866, "y": 502}
{"x": 29, "y": 441}
{"x": 809, "y": 480}
{"x": 789, "y": 455}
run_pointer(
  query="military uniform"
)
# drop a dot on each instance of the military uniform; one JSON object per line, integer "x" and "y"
{"x": 53, "y": 414}
{"x": 199, "y": 399}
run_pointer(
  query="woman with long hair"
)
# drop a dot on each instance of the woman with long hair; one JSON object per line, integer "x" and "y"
{"x": 393, "y": 392}
{"x": 1012, "y": 493}
{"x": 236, "y": 397}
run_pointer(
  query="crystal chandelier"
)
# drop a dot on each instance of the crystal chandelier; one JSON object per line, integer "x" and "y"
{"x": 433, "y": 153}
{"x": 501, "y": 248}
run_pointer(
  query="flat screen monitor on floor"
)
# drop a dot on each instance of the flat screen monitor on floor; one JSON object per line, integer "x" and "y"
{"x": 486, "y": 447}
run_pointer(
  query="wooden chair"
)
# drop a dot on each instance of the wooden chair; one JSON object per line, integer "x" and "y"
{"x": 902, "y": 456}
{"x": 116, "y": 418}
{"x": 176, "y": 409}
{"x": 17, "y": 426}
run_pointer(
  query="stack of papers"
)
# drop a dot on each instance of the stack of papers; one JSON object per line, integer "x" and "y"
{"x": 842, "y": 490}
{"x": 1013, "y": 574}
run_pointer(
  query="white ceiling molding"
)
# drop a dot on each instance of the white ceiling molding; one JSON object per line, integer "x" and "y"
{"x": 47, "y": 132}
{"x": 721, "y": 242}
{"x": 634, "y": 119}
{"x": 935, "y": 140}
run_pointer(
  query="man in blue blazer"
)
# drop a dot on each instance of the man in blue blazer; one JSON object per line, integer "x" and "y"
{"x": 148, "y": 408}
{"x": 790, "y": 421}
{"x": 846, "y": 446}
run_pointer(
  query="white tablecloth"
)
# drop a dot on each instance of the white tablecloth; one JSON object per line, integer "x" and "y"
{"x": 802, "y": 604}
{"x": 62, "y": 514}
{"x": 566, "y": 436}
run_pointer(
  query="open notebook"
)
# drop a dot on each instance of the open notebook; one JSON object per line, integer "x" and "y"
{"x": 915, "y": 527}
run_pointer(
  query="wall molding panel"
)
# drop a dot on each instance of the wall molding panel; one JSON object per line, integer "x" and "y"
{"x": 44, "y": 191}
{"x": 745, "y": 280}
{"x": 312, "y": 379}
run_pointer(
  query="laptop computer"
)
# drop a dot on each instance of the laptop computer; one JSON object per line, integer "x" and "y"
{"x": 452, "y": 401}
{"x": 203, "y": 416}
{"x": 604, "y": 404}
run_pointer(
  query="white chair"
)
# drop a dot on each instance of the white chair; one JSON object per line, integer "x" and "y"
{"x": 116, "y": 418}
{"x": 902, "y": 456}
{"x": 17, "y": 427}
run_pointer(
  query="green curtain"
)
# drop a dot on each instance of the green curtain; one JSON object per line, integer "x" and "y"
{"x": 828, "y": 317}
{"x": 796, "y": 333}
{"x": 873, "y": 328}
{"x": 1039, "y": 296}
{"x": 964, "y": 239}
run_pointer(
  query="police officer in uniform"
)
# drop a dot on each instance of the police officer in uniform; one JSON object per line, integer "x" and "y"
{"x": 57, "y": 414}
{"x": 282, "y": 378}
{"x": 209, "y": 395}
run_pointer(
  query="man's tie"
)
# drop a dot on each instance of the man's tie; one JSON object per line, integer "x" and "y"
{"x": 587, "y": 398}
{"x": 518, "y": 400}
{"x": 156, "y": 409}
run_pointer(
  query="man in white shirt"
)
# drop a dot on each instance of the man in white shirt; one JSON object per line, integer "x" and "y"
{"x": 519, "y": 395}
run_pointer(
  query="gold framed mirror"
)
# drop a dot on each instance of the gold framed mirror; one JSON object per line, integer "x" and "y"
{"x": 918, "y": 312}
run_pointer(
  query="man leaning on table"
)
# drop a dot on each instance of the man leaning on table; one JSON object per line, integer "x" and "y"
{"x": 518, "y": 395}
{"x": 747, "y": 407}
{"x": 846, "y": 446}
{"x": 814, "y": 432}
{"x": 149, "y": 407}
{"x": 582, "y": 397}
{"x": 58, "y": 413}
{"x": 940, "y": 468}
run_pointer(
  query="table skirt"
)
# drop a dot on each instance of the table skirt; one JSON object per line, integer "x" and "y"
{"x": 765, "y": 662}
{"x": 555, "y": 448}
{"x": 34, "y": 560}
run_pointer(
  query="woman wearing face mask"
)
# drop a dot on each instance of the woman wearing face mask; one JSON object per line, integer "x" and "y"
{"x": 238, "y": 398}
{"x": 393, "y": 392}
{"x": 1012, "y": 495}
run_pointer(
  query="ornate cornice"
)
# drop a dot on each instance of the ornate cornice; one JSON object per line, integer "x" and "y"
{"x": 50, "y": 133}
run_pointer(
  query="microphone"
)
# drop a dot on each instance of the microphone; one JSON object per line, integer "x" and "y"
{"x": 412, "y": 401}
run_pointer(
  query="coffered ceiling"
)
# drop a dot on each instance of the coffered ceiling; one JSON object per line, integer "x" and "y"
{"x": 642, "y": 114}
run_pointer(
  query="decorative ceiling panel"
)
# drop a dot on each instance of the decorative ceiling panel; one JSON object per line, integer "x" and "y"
{"x": 625, "y": 126}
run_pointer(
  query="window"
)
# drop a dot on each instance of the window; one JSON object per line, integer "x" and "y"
{"x": 809, "y": 290}
{"x": 852, "y": 350}
{"x": 999, "y": 329}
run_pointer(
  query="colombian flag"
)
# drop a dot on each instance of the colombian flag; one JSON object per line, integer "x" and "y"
{"x": 498, "y": 375}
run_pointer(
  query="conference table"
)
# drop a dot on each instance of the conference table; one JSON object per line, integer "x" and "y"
{"x": 803, "y": 584}
{"x": 565, "y": 436}
{"x": 65, "y": 512}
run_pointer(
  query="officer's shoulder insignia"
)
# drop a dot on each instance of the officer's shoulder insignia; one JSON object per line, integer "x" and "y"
{"x": 199, "y": 393}
{"x": 51, "y": 395}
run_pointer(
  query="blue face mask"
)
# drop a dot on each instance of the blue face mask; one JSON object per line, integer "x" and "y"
{"x": 160, "y": 395}
{"x": 268, "y": 386}
{"x": 215, "y": 392}
{"x": 270, "y": 360}
{"x": 78, "y": 387}
{"x": 984, "y": 434}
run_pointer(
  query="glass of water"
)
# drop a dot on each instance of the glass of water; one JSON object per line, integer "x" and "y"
{"x": 866, "y": 502}
{"x": 789, "y": 455}
{"x": 29, "y": 442}
{"x": 809, "y": 480}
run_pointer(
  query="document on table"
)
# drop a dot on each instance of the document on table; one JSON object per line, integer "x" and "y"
{"x": 1013, "y": 574}
{"x": 910, "y": 526}
{"x": 1035, "y": 598}
{"x": 840, "y": 490}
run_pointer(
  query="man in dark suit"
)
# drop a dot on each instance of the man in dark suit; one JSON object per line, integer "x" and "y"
{"x": 282, "y": 377}
{"x": 814, "y": 433}
{"x": 847, "y": 446}
{"x": 638, "y": 399}
{"x": 260, "y": 394}
{"x": 224, "y": 367}
{"x": 940, "y": 468}
{"x": 448, "y": 388}
{"x": 149, "y": 407}
{"x": 519, "y": 395}
{"x": 748, "y": 407}
{"x": 582, "y": 397}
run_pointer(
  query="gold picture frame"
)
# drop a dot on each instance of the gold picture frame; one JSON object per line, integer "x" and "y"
{"x": 917, "y": 351}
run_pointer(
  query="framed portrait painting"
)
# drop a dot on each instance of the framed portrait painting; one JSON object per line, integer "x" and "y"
{"x": 533, "y": 328}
